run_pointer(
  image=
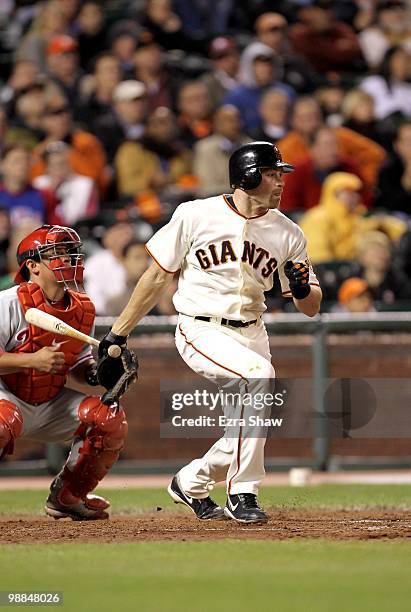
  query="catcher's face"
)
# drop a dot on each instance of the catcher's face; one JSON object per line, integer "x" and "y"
{"x": 271, "y": 187}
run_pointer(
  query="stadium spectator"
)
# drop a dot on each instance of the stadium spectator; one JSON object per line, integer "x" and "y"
{"x": 306, "y": 119}
{"x": 92, "y": 33}
{"x": 75, "y": 196}
{"x": 49, "y": 22}
{"x": 211, "y": 154}
{"x": 203, "y": 20}
{"x": 375, "y": 264}
{"x": 17, "y": 196}
{"x": 272, "y": 30}
{"x": 358, "y": 113}
{"x": 87, "y": 155}
{"x": 101, "y": 287}
{"x": 394, "y": 180}
{"x": 334, "y": 227}
{"x": 24, "y": 75}
{"x": 126, "y": 118}
{"x": 391, "y": 27}
{"x": 355, "y": 296}
{"x": 330, "y": 98}
{"x": 158, "y": 165}
{"x": 97, "y": 90}
{"x": 164, "y": 25}
{"x": 148, "y": 69}
{"x": 390, "y": 88}
{"x": 29, "y": 112}
{"x": 225, "y": 60}
{"x": 258, "y": 71}
{"x": 124, "y": 37}
{"x": 62, "y": 66}
{"x": 330, "y": 46}
{"x": 135, "y": 262}
{"x": 195, "y": 111}
{"x": 302, "y": 189}
{"x": 274, "y": 110}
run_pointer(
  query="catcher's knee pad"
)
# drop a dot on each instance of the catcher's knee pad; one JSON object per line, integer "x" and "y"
{"x": 102, "y": 436}
{"x": 11, "y": 426}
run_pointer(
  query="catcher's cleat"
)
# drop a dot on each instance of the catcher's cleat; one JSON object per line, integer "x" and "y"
{"x": 204, "y": 509}
{"x": 61, "y": 503}
{"x": 244, "y": 508}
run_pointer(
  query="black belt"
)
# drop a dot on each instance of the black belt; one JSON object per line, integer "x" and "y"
{"x": 229, "y": 322}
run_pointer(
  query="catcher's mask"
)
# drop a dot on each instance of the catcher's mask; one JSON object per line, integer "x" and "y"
{"x": 51, "y": 244}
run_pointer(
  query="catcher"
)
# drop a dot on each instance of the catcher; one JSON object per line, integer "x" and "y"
{"x": 35, "y": 364}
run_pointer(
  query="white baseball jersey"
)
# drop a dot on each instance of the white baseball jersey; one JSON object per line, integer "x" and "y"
{"x": 226, "y": 260}
{"x": 14, "y": 328}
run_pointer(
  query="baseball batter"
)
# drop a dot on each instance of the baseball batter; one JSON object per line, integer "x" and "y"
{"x": 226, "y": 250}
{"x": 34, "y": 365}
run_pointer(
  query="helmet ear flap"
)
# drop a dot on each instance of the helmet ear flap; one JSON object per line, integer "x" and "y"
{"x": 251, "y": 179}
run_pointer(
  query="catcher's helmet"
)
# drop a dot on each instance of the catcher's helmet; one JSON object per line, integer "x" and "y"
{"x": 246, "y": 163}
{"x": 43, "y": 244}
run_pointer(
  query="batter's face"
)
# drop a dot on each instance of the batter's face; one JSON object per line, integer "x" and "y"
{"x": 270, "y": 189}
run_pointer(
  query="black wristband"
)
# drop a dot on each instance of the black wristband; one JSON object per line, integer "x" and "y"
{"x": 113, "y": 338}
{"x": 300, "y": 291}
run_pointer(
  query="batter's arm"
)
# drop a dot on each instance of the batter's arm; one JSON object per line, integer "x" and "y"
{"x": 310, "y": 305}
{"x": 144, "y": 297}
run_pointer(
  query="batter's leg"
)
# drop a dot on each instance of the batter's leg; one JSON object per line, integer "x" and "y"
{"x": 217, "y": 355}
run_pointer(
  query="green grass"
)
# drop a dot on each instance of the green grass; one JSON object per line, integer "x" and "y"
{"x": 227, "y": 575}
{"x": 322, "y": 496}
{"x": 217, "y": 576}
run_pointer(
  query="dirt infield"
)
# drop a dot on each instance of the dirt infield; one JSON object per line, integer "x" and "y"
{"x": 162, "y": 526}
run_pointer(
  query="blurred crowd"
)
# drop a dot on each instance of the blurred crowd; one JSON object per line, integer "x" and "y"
{"x": 113, "y": 112}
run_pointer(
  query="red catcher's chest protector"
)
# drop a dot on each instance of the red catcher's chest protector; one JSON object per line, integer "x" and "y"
{"x": 37, "y": 387}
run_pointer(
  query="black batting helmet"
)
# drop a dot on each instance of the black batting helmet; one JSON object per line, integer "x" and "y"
{"x": 246, "y": 163}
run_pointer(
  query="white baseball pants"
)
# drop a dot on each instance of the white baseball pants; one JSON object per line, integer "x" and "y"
{"x": 221, "y": 354}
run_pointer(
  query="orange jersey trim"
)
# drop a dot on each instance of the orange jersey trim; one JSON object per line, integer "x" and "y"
{"x": 240, "y": 214}
{"x": 157, "y": 262}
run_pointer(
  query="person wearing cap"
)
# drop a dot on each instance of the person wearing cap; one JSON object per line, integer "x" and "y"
{"x": 258, "y": 71}
{"x": 330, "y": 46}
{"x": 355, "y": 296}
{"x": 63, "y": 66}
{"x": 125, "y": 119}
{"x": 87, "y": 155}
{"x": 222, "y": 78}
{"x": 392, "y": 26}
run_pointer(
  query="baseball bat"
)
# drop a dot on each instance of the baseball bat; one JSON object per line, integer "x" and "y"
{"x": 46, "y": 321}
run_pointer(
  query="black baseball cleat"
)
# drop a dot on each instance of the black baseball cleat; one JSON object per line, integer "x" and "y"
{"x": 204, "y": 509}
{"x": 62, "y": 504}
{"x": 244, "y": 508}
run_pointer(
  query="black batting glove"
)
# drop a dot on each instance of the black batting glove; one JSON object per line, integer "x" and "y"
{"x": 298, "y": 275}
{"x": 112, "y": 340}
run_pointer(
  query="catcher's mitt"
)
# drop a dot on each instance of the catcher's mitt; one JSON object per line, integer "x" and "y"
{"x": 116, "y": 374}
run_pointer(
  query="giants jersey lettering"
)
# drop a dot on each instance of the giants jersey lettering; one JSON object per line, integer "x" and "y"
{"x": 226, "y": 261}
